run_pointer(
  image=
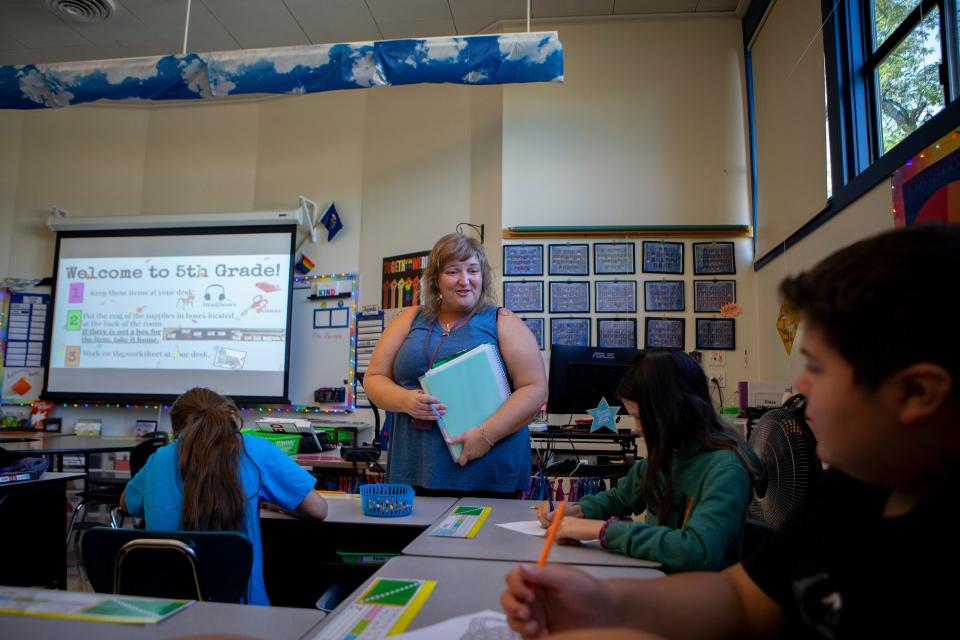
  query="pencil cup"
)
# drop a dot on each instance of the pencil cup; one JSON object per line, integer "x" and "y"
{"x": 386, "y": 500}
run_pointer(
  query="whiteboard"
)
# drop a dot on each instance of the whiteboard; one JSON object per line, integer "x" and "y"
{"x": 322, "y": 346}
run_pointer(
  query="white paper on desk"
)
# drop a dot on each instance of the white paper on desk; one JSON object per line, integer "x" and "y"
{"x": 484, "y": 625}
{"x": 533, "y": 528}
{"x": 529, "y": 527}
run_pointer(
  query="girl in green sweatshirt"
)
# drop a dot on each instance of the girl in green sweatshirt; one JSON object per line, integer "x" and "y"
{"x": 693, "y": 487}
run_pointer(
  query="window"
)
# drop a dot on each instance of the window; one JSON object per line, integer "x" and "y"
{"x": 905, "y": 66}
{"x": 891, "y": 67}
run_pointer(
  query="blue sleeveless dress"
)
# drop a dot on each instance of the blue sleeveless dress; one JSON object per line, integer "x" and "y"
{"x": 420, "y": 457}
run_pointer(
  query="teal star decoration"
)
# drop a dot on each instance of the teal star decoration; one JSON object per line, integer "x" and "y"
{"x": 603, "y": 416}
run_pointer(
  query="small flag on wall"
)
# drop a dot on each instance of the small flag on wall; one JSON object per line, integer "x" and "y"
{"x": 331, "y": 220}
{"x": 304, "y": 265}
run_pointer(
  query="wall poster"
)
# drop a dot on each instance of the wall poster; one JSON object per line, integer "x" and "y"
{"x": 401, "y": 279}
{"x": 663, "y": 333}
{"x": 663, "y": 295}
{"x": 570, "y": 331}
{"x": 536, "y": 327}
{"x": 521, "y": 296}
{"x": 616, "y": 296}
{"x": 569, "y": 260}
{"x": 713, "y": 258}
{"x": 716, "y": 333}
{"x": 617, "y": 332}
{"x": 570, "y": 297}
{"x": 523, "y": 259}
{"x": 710, "y": 295}
{"x": 614, "y": 258}
{"x": 662, "y": 257}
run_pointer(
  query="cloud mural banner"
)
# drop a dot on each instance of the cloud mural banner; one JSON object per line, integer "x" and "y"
{"x": 479, "y": 60}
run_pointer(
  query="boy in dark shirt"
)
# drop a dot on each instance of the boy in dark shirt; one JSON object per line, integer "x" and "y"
{"x": 882, "y": 382}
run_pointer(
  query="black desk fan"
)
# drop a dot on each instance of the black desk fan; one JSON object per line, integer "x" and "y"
{"x": 787, "y": 450}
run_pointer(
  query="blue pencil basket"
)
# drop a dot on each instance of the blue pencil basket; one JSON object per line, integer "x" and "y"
{"x": 386, "y": 500}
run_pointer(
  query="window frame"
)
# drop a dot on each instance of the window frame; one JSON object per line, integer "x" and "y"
{"x": 856, "y": 163}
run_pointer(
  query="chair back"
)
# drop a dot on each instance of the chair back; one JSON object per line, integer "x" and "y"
{"x": 202, "y": 565}
{"x": 140, "y": 453}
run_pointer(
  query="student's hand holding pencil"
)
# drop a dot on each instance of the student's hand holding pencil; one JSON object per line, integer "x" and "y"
{"x": 554, "y": 598}
{"x": 545, "y": 512}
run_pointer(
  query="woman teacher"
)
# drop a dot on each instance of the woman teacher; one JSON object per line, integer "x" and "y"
{"x": 457, "y": 312}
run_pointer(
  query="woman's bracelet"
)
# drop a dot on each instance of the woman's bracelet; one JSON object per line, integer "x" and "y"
{"x": 484, "y": 434}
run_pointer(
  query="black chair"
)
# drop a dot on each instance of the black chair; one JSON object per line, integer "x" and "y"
{"x": 197, "y": 565}
{"x": 107, "y": 490}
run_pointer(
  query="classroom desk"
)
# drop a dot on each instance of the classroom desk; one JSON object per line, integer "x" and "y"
{"x": 303, "y": 557}
{"x": 33, "y": 514}
{"x": 496, "y": 543}
{"x": 466, "y": 586}
{"x": 68, "y": 444}
{"x": 333, "y": 460}
{"x": 202, "y": 618}
{"x": 346, "y": 509}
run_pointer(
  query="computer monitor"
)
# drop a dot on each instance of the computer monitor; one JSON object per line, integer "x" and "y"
{"x": 580, "y": 376}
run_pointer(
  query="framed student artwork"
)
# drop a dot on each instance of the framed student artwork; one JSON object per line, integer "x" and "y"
{"x": 663, "y": 295}
{"x": 617, "y": 332}
{"x": 713, "y": 259}
{"x": 716, "y": 333}
{"x": 710, "y": 295}
{"x": 569, "y": 260}
{"x": 536, "y": 327}
{"x": 616, "y": 296}
{"x": 663, "y": 333}
{"x": 613, "y": 258}
{"x": 573, "y": 332}
{"x": 569, "y": 297}
{"x": 662, "y": 257}
{"x": 523, "y": 259}
{"x": 521, "y": 296}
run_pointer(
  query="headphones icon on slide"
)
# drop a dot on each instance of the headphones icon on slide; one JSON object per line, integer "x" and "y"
{"x": 220, "y": 296}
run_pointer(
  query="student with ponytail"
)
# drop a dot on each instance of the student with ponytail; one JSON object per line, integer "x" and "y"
{"x": 212, "y": 478}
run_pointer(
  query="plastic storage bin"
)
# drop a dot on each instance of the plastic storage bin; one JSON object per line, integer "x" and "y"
{"x": 386, "y": 500}
{"x": 286, "y": 442}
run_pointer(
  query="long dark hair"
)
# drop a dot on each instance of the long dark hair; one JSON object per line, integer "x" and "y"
{"x": 206, "y": 425}
{"x": 675, "y": 412}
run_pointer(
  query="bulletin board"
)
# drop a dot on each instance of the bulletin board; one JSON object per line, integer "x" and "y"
{"x": 323, "y": 340}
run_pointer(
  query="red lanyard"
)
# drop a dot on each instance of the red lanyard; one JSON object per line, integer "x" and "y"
{"x": 426, "y": 342}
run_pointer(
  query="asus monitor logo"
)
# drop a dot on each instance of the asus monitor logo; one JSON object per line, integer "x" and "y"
{"x": 600, "y": 355}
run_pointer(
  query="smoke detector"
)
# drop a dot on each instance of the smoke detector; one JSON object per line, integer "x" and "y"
{"x": 83, "y": 10}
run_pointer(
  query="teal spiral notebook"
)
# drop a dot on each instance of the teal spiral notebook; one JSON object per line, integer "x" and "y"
{"x": 472, "y": 385}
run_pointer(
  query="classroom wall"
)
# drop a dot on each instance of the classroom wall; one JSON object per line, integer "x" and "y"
{"x": 648, "y": 128}
{"x": 868, "y": 216}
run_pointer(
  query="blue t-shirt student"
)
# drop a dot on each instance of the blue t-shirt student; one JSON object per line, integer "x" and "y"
{"x": 266, "y": 474}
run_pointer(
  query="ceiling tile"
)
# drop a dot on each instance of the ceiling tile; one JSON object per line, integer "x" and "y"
{"x": 37, "y": 27}
{"x": 165, "y": 20}
{"x": 417, "y": 29}
{"x": 470, "y": 26}
{"x": 717, "y": 5}
{"x": 495, "y": 9}
{"x": 563, "y": 8}
{"x": 408, "y": 10}
{"x": 122, "y": 29}
{"x": 51, "y": 54}
{"x": 334, "y": 20}
{"x": 258, "y": 23}
{"x": 655, "y": 6}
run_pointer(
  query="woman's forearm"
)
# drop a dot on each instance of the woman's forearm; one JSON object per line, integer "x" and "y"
{"x": 384, "y": 392}
{"x": 516, "y": 413}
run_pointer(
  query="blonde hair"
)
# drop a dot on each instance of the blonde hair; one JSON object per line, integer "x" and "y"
{"x": 453, "y": 247}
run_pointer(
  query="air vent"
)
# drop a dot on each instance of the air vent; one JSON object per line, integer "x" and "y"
{"x": 83, "y": 10}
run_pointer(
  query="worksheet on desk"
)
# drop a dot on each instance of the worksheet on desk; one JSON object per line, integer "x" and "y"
{"x": 386, "y": 608}
{"x": 462, "y": 522}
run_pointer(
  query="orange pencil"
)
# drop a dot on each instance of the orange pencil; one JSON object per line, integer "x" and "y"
{"x": 686, "y": 514}
{"x": 552, "y": 533}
